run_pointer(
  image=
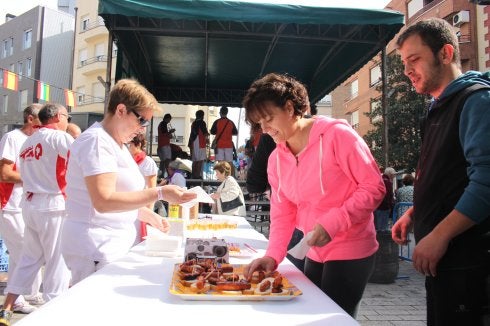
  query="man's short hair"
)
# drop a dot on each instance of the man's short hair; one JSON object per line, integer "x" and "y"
{"x": 435, "y": 33}
{"x": 33, "y": 110}
{"x": 49, "y": 111}
{"x": 223, "y": 110}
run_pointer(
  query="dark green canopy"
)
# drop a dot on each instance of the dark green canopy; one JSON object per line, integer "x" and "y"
{"x": 208, "y": 52}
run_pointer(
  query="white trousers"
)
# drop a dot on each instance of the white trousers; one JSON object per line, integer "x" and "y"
{"x": 12, "y": 231}
{"x": 81, "y": 267}
{"x": 41, "y": 247}
{"x": 224, "y": 154}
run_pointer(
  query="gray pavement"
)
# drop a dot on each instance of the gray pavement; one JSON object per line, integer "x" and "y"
{"x": 401, "y": 303}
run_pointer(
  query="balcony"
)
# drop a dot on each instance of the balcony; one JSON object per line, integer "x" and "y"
{"x": 92, "y": 66}
{"x": 94, "y": 31}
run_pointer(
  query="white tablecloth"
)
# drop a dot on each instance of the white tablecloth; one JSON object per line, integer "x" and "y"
{"x": 135, "y": 291}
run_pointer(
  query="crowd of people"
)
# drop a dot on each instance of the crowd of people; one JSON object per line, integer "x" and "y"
{"x": 72, "y": 205}
{"x": 321, "y": 178}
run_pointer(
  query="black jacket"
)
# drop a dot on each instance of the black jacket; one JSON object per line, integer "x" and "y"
{"x": 257, "y": 181}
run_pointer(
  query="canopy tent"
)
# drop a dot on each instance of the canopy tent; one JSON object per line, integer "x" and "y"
{"x": 208, "y": 52}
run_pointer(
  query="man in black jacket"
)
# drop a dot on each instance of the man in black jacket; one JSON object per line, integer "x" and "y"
{"x": 451, "y": 210}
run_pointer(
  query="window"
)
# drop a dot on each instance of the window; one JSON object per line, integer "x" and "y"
{"x": 82, "y": 57}
{"x": 375, "y": 104}
{"x": 8, "y": 47}
{"x": 5, "y": 103}
{"x": 354, "y": 89}
{"x": 84, "y": 23}
{"x": 98, "y": 92}
{"x": 28, "y": 67}
{"x": 27, "y": 39}
{"x": 12, "y": 67}
{"x": 414, "y": 6}
{"x": 327, "y": 100}
{"x": 80, "y": 95}
{"x": 99, "y": 51}
{"x": 23, "y": 99}
{"x": 375, "y": 75}
{"x": 11, "y": 46}
{"x": 354, "y": 119}
{"x": 20, "y": 70}
{"x": 5, "y": 51}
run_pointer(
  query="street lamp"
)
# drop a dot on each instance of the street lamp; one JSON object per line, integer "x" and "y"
{"x": 106, "y": 89}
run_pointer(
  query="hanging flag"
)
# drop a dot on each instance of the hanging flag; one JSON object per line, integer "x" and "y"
{"x": 10, "y": 80}
{"x": 42, "y": 91}
{"x": 69, "y": 98}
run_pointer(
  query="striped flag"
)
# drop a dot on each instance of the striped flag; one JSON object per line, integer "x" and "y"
{"x": 10, "y": 80}
{"x": 69, "y": 98}
{"x": 42, "y": 91}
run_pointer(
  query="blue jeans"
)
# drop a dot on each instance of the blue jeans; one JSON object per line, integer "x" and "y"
{"x": 381, "y": 219}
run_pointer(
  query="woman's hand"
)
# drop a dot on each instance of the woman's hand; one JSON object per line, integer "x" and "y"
{"x": 176, "y": 195}
{"x": 215, "y": 195}
{"x": 319, "y": 237}
{"x": 148, "y": 216}
{"x": 159, "y": 223}
{"x": 266, "y": 264}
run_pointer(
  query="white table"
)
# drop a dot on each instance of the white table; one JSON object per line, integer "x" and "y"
{"x": 135, "y": 291}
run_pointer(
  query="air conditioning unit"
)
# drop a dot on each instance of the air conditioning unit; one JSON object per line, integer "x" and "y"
{"x": 481, "y": 2}
{"x": 461, "y": 17}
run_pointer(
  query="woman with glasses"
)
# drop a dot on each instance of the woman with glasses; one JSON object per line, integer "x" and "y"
{"x": 106, "y": 192}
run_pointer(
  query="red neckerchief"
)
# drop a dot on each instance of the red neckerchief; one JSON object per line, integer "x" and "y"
{"x": 139, "y": 157}
{"x": 50, "y": 126}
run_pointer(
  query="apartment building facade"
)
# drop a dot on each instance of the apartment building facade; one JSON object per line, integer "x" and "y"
{"x": 35, "y": 46}
{"x": 91, "y": 63}
{"x": 358, "y": 94}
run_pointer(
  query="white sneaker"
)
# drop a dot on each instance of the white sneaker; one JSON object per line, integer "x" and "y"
{"x": 23, "y": 308}
{"x": 36, "y": 299}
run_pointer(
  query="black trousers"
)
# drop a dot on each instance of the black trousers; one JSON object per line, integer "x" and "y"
{"x": 459, "y": 297}
{"x": 343, "y": 281}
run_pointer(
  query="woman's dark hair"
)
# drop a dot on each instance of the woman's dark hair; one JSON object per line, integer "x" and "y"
{"x": 140, "y": 141}
{"x": 275, "y": 89}
{"x": 408, "y": 180}
{"x": 199, "y": 114}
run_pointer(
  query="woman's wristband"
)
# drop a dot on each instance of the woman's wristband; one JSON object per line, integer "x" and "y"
{"x": 160, "y": 193}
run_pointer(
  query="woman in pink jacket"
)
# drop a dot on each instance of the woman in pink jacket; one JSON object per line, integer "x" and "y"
{"x": 325, "y": 182}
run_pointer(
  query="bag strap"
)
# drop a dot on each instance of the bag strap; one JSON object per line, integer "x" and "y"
{"x": 223, "y": 130}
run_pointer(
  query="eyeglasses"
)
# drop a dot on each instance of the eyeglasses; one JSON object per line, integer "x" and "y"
{"x": 68, "y": 117}
{"x": 142, "y": 121}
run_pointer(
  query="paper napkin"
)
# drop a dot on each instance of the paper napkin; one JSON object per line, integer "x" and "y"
{"x": 202, "y": 197}
{"x": 301, "y": 249}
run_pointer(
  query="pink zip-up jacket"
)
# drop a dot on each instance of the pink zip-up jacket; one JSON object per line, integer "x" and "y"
{"x": 333, "y": 181}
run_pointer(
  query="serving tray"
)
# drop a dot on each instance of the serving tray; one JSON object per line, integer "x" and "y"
{"x": 182, "y": 289}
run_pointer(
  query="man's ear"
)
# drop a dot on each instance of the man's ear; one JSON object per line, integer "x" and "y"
{"x": 447, "y": 53}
